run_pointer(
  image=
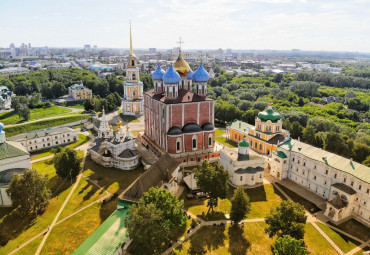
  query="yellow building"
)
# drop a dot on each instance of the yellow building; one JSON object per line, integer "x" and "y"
{"x": 79, "y": 92}
{"x": 264, "y": 136}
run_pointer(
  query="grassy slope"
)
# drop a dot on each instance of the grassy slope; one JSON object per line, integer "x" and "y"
{"x": 221, "y": 139}
{"x": 316, "y": 244}
{"x": 10, "y": 131}
{"x": 37, "y": 113}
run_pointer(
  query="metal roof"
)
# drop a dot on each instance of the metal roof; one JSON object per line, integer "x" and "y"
{"x": 240, "y": 126}
{"x": 338, "y": 162}
{"x": 11, "y": 149}
{"x": 40, "y": 133}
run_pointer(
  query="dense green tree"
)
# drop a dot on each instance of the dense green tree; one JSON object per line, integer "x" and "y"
{"x": 287, "y": 219}
{"x": 213, "y": 181}
{"x": 245, "y": 105}
{"x": 250, "y": 116}
{"x": 29, "y": 191}
{"x": 295, "y": 115}
{"x": 260, "y": 105}
{"x": 278, "y": 77}
{"x": 335, "y": 143}
{"x": 309, "y": 135}
{"x": 168, "y": 203}
{"x": 24, "y": 113}
{"x": 296, "y": 130}
{"x": 67, "y": 163}
{"x": 288, "y": 245}
{"x": 88, "y": 105}
{"x": 240, "y": 205}
{"x": 304, "y": 88}
{"x": 366, "y": 162}
{"x": 147, "y": 228}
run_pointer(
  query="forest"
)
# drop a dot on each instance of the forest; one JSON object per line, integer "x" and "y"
{"x": 340, "y": 126}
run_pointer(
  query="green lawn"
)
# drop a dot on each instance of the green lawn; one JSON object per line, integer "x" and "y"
{"x": 37, "y": 113}
{"x": 221, "y": 139}
{"x": 10, "y": 131}
{"x": 344, "y": 243}
{"x": 31, "y": 248}
{"x": 316, "y": 243}
{"x": 355, "y": 228}
{"x": 311, "y": 207}
{"x": 262, "y": 198}
{"x": 228, "y": 240}
{"x": 112, "y": 179}
{"x": 75, "y": 104}
{"x": 129, "y": 118}
{"x": 82, "y": 139}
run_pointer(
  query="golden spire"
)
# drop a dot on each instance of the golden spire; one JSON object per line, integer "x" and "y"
{"x": 127, "y": 127}
{"x": 131, "y": 50}
{"x": 180, "y": 65}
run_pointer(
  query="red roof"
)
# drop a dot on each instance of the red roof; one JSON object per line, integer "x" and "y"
{"x": 185, "y": 96}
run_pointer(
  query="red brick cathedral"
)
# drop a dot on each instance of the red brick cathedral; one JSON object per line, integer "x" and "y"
{"x": 179, "y": 117}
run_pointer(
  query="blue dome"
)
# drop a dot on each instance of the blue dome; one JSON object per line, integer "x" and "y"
{"x": 1, "y": 126}
{"x": 158, "y": 73}
{"x": 171, "y": 76}
{"x": 190, "y": 75}
{"x": 201, "y": 75}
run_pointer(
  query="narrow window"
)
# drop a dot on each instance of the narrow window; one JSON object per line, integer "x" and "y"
{"x": 178, "y": 146}
{"x": 194, "y": 143}
{"x": 209, "y": 141}
{"x": 241, "y": 178}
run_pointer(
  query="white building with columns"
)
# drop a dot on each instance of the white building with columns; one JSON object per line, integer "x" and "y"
{"x": 14, "y": 158}
{"x": 345, "y": 184}
{"x": 133, "y": 100}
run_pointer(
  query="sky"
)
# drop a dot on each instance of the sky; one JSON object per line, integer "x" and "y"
{"x": 340, "y": 25}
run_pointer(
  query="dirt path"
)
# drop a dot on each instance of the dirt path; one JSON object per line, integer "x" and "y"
{"x": 47, "y": 118}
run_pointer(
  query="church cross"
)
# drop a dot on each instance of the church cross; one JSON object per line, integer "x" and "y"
{"x": 180, "y": 42}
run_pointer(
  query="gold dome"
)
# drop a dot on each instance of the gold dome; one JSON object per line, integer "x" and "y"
{"x": 181, "y": 66}
{"x": 119, "y": 123}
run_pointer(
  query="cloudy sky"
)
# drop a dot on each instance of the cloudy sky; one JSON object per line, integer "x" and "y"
{"x": 340, "y": 25}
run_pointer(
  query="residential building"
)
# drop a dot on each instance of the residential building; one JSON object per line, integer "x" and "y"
{"x": 5, "y": 98}
{"x": 14, "y": 158}
{"x": 79, "y": 92}
{"x": 46, "y": 138}
{"x": 345, "y": 184}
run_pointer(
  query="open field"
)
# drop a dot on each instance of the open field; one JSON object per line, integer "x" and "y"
{"x": 82, "y": 139}
{"x": 221, "y": 139}
{"x": 316, "y": 243}
{"x": 128, "y": 118}
{"x": 38, "y": 113}
{"x": 15, "y": 130}
{"x": 262, "y": 199}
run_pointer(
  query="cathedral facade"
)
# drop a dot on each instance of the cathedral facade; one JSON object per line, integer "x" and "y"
{"x": 179, "y": 117}
{"x": 132, "y": 101}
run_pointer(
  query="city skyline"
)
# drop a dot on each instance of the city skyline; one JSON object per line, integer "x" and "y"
{"x": 244, "y": 25}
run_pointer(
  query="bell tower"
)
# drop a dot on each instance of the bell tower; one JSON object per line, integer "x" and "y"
{"x": 132, "y": 70}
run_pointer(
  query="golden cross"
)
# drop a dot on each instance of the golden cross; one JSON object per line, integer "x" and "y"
{"x": 180, "y": 42}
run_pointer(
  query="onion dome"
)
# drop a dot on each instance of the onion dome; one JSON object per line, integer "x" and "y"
{"x": 201, "y": 75}
{"x": 208, "y": 127}
{"x": 191, "y": 128}
{"x": 158, "y": 73}
{"x": 181, "y": 66}
{"x": 244, "y": 143}
{"x": 190, "y": 75}
{"x": 171, "y": 76}
{"x": 1, "y": 126}
{"x": 269, "y": 114}
{"x": 174, "y": 131}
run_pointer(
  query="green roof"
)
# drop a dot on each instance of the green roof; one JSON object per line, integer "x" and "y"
{"x": 11, "y": 149}
{"x": 240, "y": 126}
{"x": 244, "y": 143}
{"x": 109, "y": 236}
{"x": 269, "y": 114}
{"x": 338, "y": 162}
{"x": 281, "y": 154}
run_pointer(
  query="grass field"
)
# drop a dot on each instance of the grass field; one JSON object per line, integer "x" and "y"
{"x": 74, "y": 104}
{"x": 228, "y": 240}
{"x": 10, "y": 131}
{"x": 355, "y": 228}
{"x": 37, "y": 113}
{"x": 221, "y": 139}
{"x": 316, "y": 243}
{"x": 82, "y": 139}
{"x": 262, "y": 199}
{"x": 344, "y": 243}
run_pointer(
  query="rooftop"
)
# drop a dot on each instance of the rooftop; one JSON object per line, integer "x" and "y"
{"x": 185, "y": 96}
{"x": 240, "y": 126}
{"x": 338, "y": 162}
{"x": 11, "y": 149}
{"x": 40, "y": 133}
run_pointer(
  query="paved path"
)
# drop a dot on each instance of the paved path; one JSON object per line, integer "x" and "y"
{"x": 61, "y": 208}
{"x": 327, "y": 238}
{"x": 358, "y": 248}
{"x": 41, "y": 159}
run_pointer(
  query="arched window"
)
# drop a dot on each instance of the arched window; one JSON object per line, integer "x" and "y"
{"x": 195, "y": 142}
{"x": 132, "y": 62}
{"x": 133, "y": 76}
{"x": 178, "y": 145}
{"x": 210, "y": 140}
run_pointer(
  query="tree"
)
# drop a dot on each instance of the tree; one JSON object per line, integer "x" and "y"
{"x": 278, "y": 77}
{"x": 67, "y": 163}
{"x": 240, "y": 205}
{"x": 88, "y": 105}
{"x": 213, "y": 181}
{"x": 309, "y": 135}
{"x": 146, "y": 227}
{"x": 24, "y": 113}
{"x": 288, "y": 245}
{"x": 29, "y": 191}
{"x": 296, "y": 130}
{"x": 287, "y": 219}
{"x": 168, "y": 203}
{"x": 366, "y": 162}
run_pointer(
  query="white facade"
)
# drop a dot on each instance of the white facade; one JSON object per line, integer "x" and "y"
{"x": 46, "y": 138}
{"x": 320, "y": 172}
